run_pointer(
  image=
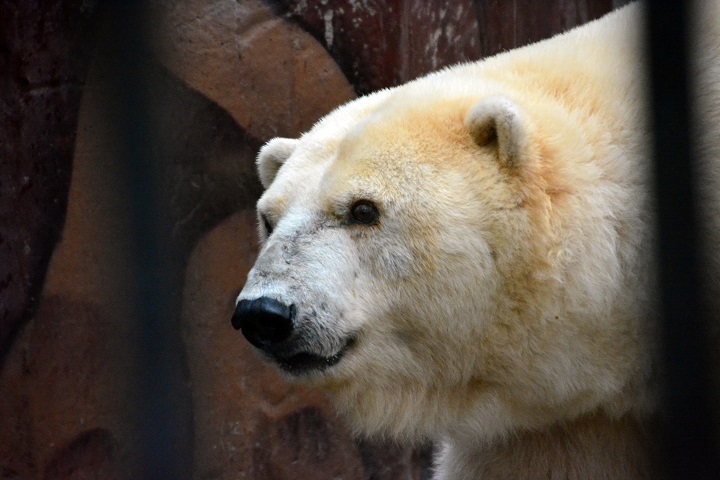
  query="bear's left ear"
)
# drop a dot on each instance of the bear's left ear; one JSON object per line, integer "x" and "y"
{"x": 271, "y": 157}
{"x": 497, "y": 119}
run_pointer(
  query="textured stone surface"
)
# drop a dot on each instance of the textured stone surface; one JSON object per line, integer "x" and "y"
{"x": 380, "y": 44}
{"x": 507, "y": 24}
{"x": 273, "y": 78}
{"x": 62, "y": 394}
{"x": 210, "y": 168}
{"x": 89, "y": 456}
{"x": 67, "y": 383}
{"x": 43, "y": 56}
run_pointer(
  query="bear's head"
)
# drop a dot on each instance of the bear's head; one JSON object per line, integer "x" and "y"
{"x": 438, "y": 266}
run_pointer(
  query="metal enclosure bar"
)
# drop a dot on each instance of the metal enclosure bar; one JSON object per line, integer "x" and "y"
{"x": 689, "y": 448}
{"x": 163, "y": 449}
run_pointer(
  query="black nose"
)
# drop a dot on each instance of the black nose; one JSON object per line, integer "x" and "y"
{"x": 264, "y": 321}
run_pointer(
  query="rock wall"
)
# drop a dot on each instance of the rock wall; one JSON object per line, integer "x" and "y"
{"x": 226, "y": 77}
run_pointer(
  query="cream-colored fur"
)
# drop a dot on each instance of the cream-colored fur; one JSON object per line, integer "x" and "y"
{"x": 501, "y": 304}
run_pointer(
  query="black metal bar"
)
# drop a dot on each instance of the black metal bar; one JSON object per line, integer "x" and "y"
{"x": 689, "y": 438}
{"x": 164, "y": 441}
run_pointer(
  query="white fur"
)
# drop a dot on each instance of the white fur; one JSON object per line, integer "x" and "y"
{"x": 271, "y": 157}
{"x": 502, "y": 302}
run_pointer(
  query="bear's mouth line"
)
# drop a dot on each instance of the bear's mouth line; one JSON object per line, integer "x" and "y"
{"x": 306, "y": 362}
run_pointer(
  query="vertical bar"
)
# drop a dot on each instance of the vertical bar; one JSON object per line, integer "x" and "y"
{"x": 163, "y": 449}
{"x": 689, "y": 448}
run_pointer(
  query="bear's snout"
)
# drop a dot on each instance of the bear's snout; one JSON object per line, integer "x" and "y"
{"x": 264, "y": 321}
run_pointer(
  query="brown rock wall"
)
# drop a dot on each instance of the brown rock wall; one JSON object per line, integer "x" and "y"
{"x": 381, "y": 44}
{"x": 273, "y": 78}
{"x": 507, "y": 24}
{"x": 44, "y": 49}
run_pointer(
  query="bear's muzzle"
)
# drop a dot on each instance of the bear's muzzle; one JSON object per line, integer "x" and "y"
{"x": 269, "y": 325}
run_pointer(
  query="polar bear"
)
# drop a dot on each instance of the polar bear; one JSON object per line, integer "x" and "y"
{"x": 466, "y": 258}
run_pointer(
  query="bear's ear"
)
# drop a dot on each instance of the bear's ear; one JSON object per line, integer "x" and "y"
{"x": 498, "y": 120}
{"x": 271, "y": 157}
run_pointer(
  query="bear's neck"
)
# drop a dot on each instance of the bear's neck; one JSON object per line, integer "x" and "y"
{"x": 591, "y": 448}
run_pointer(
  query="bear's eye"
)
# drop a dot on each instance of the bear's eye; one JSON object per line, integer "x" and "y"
{"x": 364, "y": 212}
{"x": 266, "y": 224}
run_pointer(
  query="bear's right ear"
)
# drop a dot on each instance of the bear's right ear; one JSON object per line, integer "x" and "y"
{"x": 271, "y": 157}
{"x": 498, "y": 120}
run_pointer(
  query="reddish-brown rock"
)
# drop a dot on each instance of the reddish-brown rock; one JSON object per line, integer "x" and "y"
{"x": 273, "y": 78}
{"x": 68, "y": 383}
{"x": 380, "y": 44}
{"x": 507, "y": 24}
{"x": 64, "y": 394}
{"x": 89, "y": 456}
{"x": 44, "y": 49}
